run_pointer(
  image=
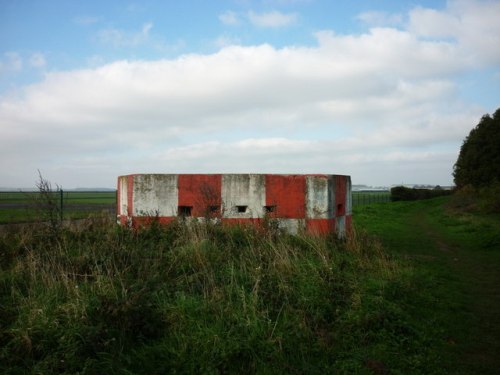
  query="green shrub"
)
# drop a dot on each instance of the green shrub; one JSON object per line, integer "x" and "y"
{"x": 402, "y": 193}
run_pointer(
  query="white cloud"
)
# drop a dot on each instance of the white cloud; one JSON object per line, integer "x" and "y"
{"x": 119, "y": 38}
{"x": 434, "y": 23}
{"x": 474, "y": 24}
{"x": 377, "y": 18}
{"x": 226, "y": 40}
{"x": 122, "y": 38}
{"x": 11, "y": 62}
{"x": 95, "y": 61}
{"x": 229, "y": 18}
{"x": 272, "y": 19}
{"x": 383, "y": 106}
{"x": 37, "y": 60}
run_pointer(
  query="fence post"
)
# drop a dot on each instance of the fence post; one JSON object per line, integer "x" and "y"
{"x": 61, "y": 204}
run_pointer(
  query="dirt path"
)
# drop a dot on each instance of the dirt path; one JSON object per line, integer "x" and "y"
{"x": 478, "y": 268}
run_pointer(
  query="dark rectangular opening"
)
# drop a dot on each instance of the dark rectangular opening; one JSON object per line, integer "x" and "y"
{"x": 339, "y": 207}
{"x": 241, "y": 209}
{"x": 213, "y": 209}
{"x": 269, "y": 209}
{"x": 184, "y": 210}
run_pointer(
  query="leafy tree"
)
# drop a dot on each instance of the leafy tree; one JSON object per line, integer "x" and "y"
{"x": 478, "y": 163}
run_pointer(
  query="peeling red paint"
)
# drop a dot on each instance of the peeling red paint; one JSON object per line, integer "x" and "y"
{"x": 145, "y": 221}
{"x": 320, "y": 226}
{"x": 287, "y": 195}
{"x": 231, "y": 221}
{"x": 200, "y": 191}
{"x": 340, "y": 195}
{"x": 118, "y": 200}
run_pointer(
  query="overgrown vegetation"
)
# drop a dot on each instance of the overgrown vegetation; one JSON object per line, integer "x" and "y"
{"x": 477, "y": 200}
{"x": 48, "y": 205}
{"x": 209, "y": 299}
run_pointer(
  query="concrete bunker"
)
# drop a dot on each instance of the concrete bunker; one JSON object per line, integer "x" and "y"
{"x": 316, "y": 204}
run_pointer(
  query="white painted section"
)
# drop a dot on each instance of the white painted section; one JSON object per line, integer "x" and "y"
{"x": 340, "y": 226}
{"x": 123, "y": 188}
{"x": 292, "y": 226}
{"x": 243, "y": 190}
{"x": 319, "y": 198}
{"x": 155, "y": 194}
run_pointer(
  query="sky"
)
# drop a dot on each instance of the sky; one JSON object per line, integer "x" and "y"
{"x": 384, "y": 91}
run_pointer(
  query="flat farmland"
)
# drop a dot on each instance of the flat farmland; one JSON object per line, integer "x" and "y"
{"x": 19, "y": 207}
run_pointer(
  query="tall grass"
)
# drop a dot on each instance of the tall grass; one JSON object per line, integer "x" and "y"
{"x": 206, "y": 298}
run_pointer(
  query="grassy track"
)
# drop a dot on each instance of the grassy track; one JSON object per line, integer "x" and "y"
{"x": 459, "y": 256}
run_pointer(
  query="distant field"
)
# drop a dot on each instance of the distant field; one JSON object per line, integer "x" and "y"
{"x": 18, "y": 207}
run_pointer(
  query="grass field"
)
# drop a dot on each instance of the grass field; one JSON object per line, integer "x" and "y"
{"x": 457, "y": 255}
{"x": 17, "y": 207}
{"x": 413, "y": 291}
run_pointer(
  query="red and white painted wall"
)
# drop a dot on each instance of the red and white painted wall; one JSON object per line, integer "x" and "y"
{"x": 317, "y": 204}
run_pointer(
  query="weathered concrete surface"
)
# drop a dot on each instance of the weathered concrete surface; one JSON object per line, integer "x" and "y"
{"x": 315, "y": 203}
{"x": 318, "y": 197}
{"x": 243, "y": 190}
{"x": 292, "y": 226}
{"x": 155, "y": 194}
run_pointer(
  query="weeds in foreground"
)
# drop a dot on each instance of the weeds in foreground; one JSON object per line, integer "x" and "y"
{"x": 47, "y": 205}
{"x": 205, "y": 298}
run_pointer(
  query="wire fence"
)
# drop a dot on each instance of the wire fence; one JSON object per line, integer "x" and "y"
{"x": 368, "y": 197}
